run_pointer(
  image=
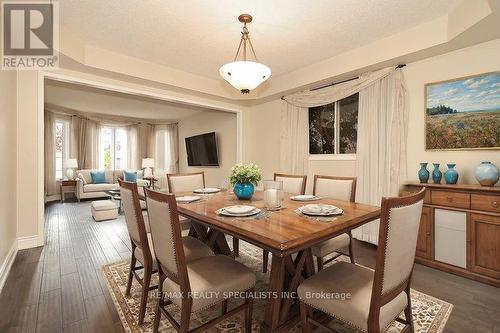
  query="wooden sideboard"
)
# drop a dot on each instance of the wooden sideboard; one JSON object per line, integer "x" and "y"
{"x": 460, "y": 230}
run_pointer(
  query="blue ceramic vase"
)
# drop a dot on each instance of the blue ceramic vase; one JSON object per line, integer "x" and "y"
{"x": 423, "y": 173}
{"x": 487, "y": 174}
{"x": 451, "y": 175}
{"x": 436, "y": 174}
{"x": 243, "y": 191}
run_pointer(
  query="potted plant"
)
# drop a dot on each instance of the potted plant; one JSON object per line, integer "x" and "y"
{"x": 244, "y": 178}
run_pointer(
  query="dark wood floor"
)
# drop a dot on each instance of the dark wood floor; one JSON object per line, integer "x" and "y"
{"x": 60, "y": 287}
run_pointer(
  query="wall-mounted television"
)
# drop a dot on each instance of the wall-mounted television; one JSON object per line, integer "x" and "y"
{"x": 202, "y": 150}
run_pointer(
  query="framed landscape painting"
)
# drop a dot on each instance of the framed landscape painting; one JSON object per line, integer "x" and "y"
{"x": 463, "y": 113}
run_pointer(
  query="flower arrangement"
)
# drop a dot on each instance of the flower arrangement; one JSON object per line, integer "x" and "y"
{"x": 249, "y": 173}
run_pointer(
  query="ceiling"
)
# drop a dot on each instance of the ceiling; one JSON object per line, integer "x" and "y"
{"x": 199, "y": 36}
{"x": 83, "y": 99}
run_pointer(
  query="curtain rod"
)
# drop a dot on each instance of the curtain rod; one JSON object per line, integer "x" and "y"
{"x": 339, "y": 82}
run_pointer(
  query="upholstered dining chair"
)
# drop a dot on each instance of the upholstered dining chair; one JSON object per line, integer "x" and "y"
{"x": 378, "y": 297}
{"x": 339, "y": 188}
{"x": 142, "y": 250}
{"x": 187, "y": 283}
{"x": 292, "y": 184}
{"x": 185, "y": 182}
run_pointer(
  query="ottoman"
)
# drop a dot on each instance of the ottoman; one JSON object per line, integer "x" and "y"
{"x": 104, "y": 210}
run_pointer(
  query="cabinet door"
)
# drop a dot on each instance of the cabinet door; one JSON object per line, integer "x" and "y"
{"x": 424, "y": 241}
{"x": 485, "y": 245}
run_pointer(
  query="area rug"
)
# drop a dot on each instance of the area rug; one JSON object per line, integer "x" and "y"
{"x": 429, "y": 314}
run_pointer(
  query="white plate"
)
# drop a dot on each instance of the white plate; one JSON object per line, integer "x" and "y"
{"x": 304, "y": 197}
{"x": 320, "y": 210}
{"x": 224, "y": 212}
{"x": 207, "y": 190}
{"x": 187, "y": 198}
{"x": 239, "y": 209}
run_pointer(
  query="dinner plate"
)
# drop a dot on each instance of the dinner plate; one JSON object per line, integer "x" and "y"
{"x": 320, "y": 210}
{"x": 304, "y": 197}
{"x": 239, "y": 209}
{"x": 223, "y": 211}
{"x": 187, "y": 198}
{"x": 207, "y": 190}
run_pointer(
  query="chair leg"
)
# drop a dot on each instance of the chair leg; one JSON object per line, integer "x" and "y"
{"x": 265, "y": 260}
{"x": 130, "y": 273}
{"x": 351, "y": 252}
{"x": 144, "y": 296}
{"x": 319, "y": 260}
{"x": 156, "y": 323}
{"x": 185, "y": 315}
{"x": 304, "y": 311}
{"x": 249, "y": 313}
{"x": 224, "y": 307}
{"x": 408, "y": 314}
{"x": 236, "y": 246}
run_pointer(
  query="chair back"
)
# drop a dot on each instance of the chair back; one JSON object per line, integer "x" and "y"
{"x": 133, "y": 217}
{"x": 185, "y": 182}
{"x": 292, "y": 183}
{"x": 339, "y": 188}
{"x": 166, "y": 235}
{"x": 399, "y": 224}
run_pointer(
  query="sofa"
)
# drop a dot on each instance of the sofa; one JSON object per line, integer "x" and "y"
{"x": 85, "y": 189}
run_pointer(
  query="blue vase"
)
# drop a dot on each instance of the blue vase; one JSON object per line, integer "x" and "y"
{"x": 487, "y": 174}
{"x": 423, "y": 173}
{"x": 436, "y": 174}
{"x": 451, "y": 175}
{"x": 243, "y": 191}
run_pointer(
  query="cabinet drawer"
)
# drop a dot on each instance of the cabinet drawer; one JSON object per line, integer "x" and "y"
{"x": 450, "y": 199}
{"x": 489, "y": 203}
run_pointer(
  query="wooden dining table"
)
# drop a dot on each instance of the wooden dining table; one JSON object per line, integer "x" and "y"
{"x": 286, "y": 233}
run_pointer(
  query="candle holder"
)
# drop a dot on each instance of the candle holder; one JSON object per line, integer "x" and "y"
{"x": 273, "y": 194}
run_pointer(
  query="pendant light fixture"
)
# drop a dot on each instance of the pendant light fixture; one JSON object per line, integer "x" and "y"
{"x": 244, "y": 74}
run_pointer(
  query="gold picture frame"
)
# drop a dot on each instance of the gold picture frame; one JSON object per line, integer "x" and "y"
{"x": 463, "y": 113}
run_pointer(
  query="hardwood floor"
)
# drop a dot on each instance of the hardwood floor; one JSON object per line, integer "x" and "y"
{"x": 60, "y": 287}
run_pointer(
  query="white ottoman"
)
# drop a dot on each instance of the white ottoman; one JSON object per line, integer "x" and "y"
{"x": 104, "y": 210}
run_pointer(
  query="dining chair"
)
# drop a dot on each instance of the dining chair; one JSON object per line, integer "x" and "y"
{"x": 187, "y": 284}
{"x": 185, "y": 182}
{"x": 142, "y": 250}
{"x": 292, "y": 184}
{"x": 378, "y": 297}
{"x": 339, "y": 188}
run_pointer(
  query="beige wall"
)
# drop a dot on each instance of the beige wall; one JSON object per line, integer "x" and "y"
{"x": 470, "y": 61}
{"x": 8, "y": 152}
{"x": 224, "y": 124}
{"x": 262, "y": 131}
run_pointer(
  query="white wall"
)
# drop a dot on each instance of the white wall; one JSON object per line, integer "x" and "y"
{"x": 224, "y": 124}
{"x": 262, "y": 129}
{"x": 8, "y": 161}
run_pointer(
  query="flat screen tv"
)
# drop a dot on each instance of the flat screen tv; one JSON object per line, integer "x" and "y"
{"x": 202, "y": 150}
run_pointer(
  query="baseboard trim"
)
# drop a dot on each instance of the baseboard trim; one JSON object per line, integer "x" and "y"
{"x": 7, "y": 264}
{"x": 27, "y": 242}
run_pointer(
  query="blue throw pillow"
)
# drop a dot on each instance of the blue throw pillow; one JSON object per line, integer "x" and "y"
{"x": 98, "y": 177}
{"x": 130, "y": 176}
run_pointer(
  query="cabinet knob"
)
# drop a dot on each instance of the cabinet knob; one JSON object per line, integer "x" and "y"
{"x": 495, "y": 204}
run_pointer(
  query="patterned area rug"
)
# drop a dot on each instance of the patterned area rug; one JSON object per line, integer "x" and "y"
{"x": 429, "y": 314}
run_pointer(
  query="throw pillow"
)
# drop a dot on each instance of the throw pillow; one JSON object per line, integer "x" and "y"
{"x": 130, "y": 176}
{"x": 98, "y": 177}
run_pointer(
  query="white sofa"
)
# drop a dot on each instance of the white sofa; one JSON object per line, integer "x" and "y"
{"x": 85, "y": 189}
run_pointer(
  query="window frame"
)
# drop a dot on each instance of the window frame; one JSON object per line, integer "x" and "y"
{"x": 336, "y": 156}
{"x": 113, "y": 149}
{"x": 65, "y": 147}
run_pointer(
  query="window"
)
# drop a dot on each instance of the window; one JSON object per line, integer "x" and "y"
{"x": 333, "y": 128}
{"x": 113, "y": 148}
{"x": 61, "y": 146}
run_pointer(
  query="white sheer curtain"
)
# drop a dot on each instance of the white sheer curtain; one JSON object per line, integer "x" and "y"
{"x": 51, "y": 187}
{"x": 85, "y": 136}
{"x": 167, "y": 148}
{"x": 381, "y": 150}
{"x": 134, "y": 160}
{"x": 294, "y": 140}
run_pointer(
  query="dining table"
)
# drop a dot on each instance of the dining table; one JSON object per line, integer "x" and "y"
{"x": 286, "y": 233}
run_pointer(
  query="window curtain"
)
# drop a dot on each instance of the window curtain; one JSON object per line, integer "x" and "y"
{"x": 381, "y": 150}
{"x": 382, "y": 131}
{"x": 134, "y": 159}
{"x": 167, "y": 148}
{"x": 51, "y": 187}
{"x": 85, "y": 134}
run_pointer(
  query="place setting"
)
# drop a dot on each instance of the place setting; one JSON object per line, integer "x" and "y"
{"x": 305, "y": 197}
{"x": 246, "y": 212}
{"x": 320, "y": 212}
